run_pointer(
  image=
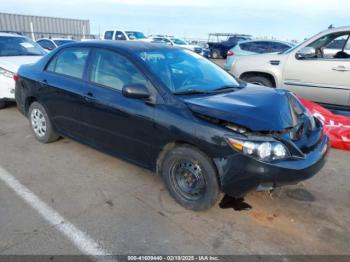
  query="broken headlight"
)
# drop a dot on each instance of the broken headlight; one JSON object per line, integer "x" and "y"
{"x": 262, "y": 150}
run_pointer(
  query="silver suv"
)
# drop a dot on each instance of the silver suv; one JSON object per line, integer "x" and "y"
{"x": 317, "y": 69}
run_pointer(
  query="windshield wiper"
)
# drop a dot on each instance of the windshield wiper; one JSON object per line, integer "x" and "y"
{"x": 191, "y": 92}
{"x": 226, "y": 88}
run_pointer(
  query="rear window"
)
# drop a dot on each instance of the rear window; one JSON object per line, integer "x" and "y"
{"x": 69, "y": 62}
{"x": 256, "y": 47}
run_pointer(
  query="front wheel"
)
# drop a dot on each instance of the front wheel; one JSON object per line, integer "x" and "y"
{"x": 191, "y": 178}
{"x": 259, "y": 80}
{"x": 40, "y": 123}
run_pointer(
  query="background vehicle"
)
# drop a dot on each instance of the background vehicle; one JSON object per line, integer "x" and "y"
{"x": 124, "y": 35}
{"x": 15, "y": 50}
{"x": 314, "y": 69}
{"x": 220, "y": 43}
{"x": 253, "y": 47}
{"x": 174, "y": 112}
{"x": 170, "y": 40}
{"x": 52, "y": 43}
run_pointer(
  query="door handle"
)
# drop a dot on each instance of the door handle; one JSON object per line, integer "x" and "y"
{"x": 341, "y": 68}
{"x": 89, "y": 97}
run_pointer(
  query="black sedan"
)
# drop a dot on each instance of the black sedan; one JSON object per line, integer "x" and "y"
{"x": 172, "y": 111}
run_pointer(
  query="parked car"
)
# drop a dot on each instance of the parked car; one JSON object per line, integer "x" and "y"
{"x": 220, "y": 43}
{"x": 15, "y": 50}
{"x": 50, "y": 44}
{"x": 253, "y": 47}
{"x": 318, "y": 69}
{"x": 172, "y": 111}
{"x": 124, "y": 35}
{"x": 173, "y": 41}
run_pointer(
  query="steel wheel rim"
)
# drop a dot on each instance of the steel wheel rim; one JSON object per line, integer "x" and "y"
{"x": 38, "y": 122}
{"x": 188, "y": 179}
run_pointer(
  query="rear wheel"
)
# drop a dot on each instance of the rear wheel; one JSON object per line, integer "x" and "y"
{"x": 40, "y": 123}
{"x": 216, "y": 54}
{"x": 259, "y": 80}
{"x": 191, "y": 178}
{"x": 2, "y": 104}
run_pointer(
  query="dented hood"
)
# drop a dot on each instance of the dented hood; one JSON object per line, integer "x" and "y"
{"x": 254, "y": 107}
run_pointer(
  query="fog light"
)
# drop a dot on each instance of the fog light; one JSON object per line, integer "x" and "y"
{"x": 264, "y": 150}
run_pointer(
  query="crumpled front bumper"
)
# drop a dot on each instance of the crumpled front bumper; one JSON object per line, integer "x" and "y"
{"x": 240, "y": 174}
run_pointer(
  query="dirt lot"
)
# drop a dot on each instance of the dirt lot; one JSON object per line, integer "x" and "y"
{"x": 126, "y": 210}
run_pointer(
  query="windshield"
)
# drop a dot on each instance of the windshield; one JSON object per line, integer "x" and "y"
{"x": 62, "y": 42}
{"x": 178, "y": 41}
{"x": 136, "y": 35}
{"x": 183, "y": 71}
{"x": 19, "y": 46}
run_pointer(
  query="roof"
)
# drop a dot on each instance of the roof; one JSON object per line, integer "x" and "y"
{"x": 228, "y": 34}
{"x": 129, "y": 46}
{"x": 266, "y": 40}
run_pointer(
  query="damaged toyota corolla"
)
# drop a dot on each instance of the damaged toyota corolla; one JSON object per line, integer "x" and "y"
{"x": 174, "y": 112}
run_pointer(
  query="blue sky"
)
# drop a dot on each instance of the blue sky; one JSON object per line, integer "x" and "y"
{"x": 283, "y": 19}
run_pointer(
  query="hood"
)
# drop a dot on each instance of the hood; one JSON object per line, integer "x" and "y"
{"x": 12, "y": 63}
{"x": 254, "y": 107}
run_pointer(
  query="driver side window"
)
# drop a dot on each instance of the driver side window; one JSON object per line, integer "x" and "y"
{"x": 333, "y": 46}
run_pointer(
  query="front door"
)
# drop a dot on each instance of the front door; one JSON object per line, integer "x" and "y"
{"x": 120, "y": 125}
{"x": 326, "y": 77}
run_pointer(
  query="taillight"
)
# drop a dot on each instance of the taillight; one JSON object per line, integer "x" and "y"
{"x": 15, "y": 77}
{"x": 230, "y": 53}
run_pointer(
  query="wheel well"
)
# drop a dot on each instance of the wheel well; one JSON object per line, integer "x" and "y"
{"x": 168, "y": 147}
{"x": 267, "y": 75}
{"x": 28, "y": 102}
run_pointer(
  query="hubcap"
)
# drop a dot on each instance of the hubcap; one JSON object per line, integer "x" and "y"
{"x": 188, "y": 179}
{"x": 38, "y": 122}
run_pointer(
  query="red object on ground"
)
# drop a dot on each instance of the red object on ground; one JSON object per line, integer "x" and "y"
{"x": 337, "y": 127}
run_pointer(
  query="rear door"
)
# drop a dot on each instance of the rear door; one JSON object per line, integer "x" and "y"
{"x": 119, "y": 125}
{"x": 324, "y": 78}
{"x": 63, "y": 90}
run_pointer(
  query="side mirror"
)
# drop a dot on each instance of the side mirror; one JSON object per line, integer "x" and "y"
{"x": 138, "y": 91}
{"x": 306, "y": 52}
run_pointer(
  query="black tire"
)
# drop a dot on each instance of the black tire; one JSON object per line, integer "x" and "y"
{"x": 2, "y": 104}
{"x": 259, "y": 80}
{"x": 202, "y": 167}
{"x": 216, "y": 54}
{"x": 47, "y": 136}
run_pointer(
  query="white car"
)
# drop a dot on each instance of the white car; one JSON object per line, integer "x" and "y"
{"x": 176, "y": 42}
{"x": 15, "y": 50}
{"x": 124, "y": 35}
{"x": 50, "y": 44}
{"x": 318, "y": 69}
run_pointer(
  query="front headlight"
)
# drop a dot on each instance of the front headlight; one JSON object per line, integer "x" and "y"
{"x": 6, "y": 73}
{"x": 262, "y": 150}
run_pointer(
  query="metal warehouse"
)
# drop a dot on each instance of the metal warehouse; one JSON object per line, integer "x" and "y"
{"x": 43, "y": 26}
